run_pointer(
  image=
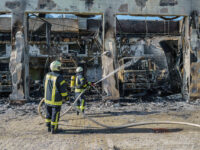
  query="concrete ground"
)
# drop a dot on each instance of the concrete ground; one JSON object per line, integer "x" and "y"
{"x": 22, "y": 128}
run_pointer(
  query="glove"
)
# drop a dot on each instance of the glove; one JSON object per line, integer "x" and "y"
{"x": 67, "y": 98}
{"x": 91, "y": 84}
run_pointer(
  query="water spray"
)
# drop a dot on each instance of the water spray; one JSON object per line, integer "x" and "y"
{"x": 128, "y": 64}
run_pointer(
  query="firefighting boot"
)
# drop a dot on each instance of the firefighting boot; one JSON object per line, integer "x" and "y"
{"x": 53, "y": 130}
{"x": 48, "y": 127}
{"x": 83, "y": 111}
{"x": 77, "y": 113}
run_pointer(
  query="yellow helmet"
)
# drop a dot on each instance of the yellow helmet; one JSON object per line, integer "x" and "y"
{"x": 79, "y": 69}
{"x": 55, "y": 66}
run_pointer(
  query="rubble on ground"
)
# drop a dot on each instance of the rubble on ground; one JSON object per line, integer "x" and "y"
{"x": 143, "y": 105}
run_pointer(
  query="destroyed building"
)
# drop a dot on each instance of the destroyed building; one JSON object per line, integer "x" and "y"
{"x": 164, "y": 52}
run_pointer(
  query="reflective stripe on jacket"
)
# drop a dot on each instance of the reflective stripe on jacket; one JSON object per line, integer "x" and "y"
{"x": 55, "y": 89}
{"x": 80, "y": 83}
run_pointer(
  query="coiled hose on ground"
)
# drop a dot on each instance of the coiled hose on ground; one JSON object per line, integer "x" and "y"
{"x": 115, "y": 127}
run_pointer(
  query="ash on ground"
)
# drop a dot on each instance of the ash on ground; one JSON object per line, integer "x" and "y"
{"x": 141, "y": 105}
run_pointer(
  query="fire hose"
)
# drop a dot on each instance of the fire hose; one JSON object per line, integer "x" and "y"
{"x": 115, "y": 127}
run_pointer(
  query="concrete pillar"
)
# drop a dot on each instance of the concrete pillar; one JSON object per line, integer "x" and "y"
{"x": 186, "y": 62}
{"x": 109, "y": 59}
{"x": 19, "y": 55}
{"x": 195, "y": 55}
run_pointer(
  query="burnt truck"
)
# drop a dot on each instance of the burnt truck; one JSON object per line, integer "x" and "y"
{"x": 141, "y": 76}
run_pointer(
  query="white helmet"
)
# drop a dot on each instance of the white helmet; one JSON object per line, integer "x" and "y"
{"x": 55, "y": 66}
{"x": 79, "y": 69}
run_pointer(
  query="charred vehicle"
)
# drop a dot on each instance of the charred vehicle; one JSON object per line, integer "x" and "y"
{"x": 141, "y": 76}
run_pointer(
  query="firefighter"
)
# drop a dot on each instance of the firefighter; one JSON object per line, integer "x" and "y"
{"x": 72, "y": 83}
{"x": 80, "y": 85}
{"x": 55, "y": 93}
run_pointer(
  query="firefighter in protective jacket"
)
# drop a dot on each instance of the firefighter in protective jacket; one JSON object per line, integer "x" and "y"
{"x": 80, "y": 85}
{"x": 55, "y": 93}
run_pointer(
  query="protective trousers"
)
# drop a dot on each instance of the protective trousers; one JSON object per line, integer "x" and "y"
{"x": 52, "y": 116}
{"x": 81, "y": 102}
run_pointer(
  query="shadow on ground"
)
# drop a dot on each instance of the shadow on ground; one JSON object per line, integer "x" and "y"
{"x": 119, "y": 131}
{"x": 109, "y": 114}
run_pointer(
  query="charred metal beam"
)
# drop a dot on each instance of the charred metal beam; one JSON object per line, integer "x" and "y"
{"x": 48, "y": 35}
{"x": 26, "y": 57}
{"x": 109, "y": 60}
